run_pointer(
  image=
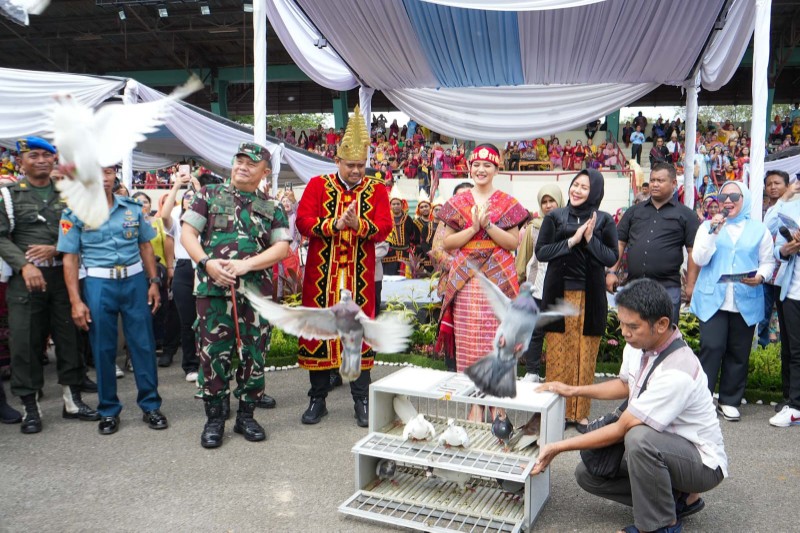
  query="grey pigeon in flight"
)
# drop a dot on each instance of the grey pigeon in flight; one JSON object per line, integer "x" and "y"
{"x": 345, "y": 320}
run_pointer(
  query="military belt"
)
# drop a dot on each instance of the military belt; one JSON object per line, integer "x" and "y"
{"x": 115, "y": 272}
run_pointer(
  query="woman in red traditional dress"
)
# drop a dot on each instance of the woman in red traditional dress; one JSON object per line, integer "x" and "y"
{"x": 482, "y": 229}
{"x": 569, "y": 154}
{"x": 579, "y": 156}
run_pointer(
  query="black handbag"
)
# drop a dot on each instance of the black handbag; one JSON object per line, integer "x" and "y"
{"x": 605, "y": 462}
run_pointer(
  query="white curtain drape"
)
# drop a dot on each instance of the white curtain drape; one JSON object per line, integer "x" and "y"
{"x": 691, "y": 138}
{"x": 376, "y": 39}
{"x": 307, "y": 167}
{"x": 323, "y": 65}
{"x": 790, "y": 165}
{"x": 523, "y": 112}
{"x": 25, "y": 95}
{"x": 259, "y": 72}
{"x": 143, "y": 161}
{"x": 129, "y": 96}
{"x": 758, "y": 127}
{"x": 613, "y": 41}
{"x": 514, "y": 5}
{"x": 727, "y": 47}
{"x": 365, "y": 103}
{"x": 216, "y": 142}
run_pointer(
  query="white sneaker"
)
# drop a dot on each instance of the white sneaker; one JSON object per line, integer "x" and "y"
{"x": 120, "y": 373}
{"x": 788, "y": 416}
{"x": 191, "y": 376}
{"x": 729, "y": 413}
{"x": 532, "y": 378}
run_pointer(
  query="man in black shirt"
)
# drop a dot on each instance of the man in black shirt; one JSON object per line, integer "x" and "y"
{"x": 656, "y": 231}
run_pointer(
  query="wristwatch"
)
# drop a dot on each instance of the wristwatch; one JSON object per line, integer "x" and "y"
{"x": 202, "y": 263}
{"x": 155, "y": 280}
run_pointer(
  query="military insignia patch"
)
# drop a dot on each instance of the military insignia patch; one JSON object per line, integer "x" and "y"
{"x": 66, "y": 225}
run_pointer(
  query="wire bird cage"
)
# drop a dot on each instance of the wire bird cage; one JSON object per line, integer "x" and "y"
{"x": 485, "y": 486}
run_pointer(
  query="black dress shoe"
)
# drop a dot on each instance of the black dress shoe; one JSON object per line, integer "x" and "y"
{"x": 246, "y": 425}
{"x": 155, "y": 419}
{"x": 164, "y": 360}
{"x": 74, "y": 406}
{"x": 361, "y": 407}
{"x": 87, "y": 385}
{"x": 266, "y": 402}
{"x": 108, "y": 425}
{"x": 336, "y": 379}
{"x": 316, "y": 410}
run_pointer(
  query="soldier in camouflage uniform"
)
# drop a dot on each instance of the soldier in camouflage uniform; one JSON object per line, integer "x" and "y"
{"x": 242, "y": 234}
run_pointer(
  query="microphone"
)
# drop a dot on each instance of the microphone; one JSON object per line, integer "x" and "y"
{"x": 714, "y": 227}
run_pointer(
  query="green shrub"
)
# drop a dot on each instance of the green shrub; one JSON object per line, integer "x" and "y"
{"x": 765, "y": 368}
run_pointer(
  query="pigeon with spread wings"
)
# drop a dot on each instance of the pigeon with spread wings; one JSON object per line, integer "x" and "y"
{"x": 345, "y": 321}
{"x": 92, "y": 140}
{"x": 495, "y": 373}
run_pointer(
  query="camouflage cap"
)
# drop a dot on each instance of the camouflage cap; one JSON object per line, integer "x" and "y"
{"x": 254, "y": 151}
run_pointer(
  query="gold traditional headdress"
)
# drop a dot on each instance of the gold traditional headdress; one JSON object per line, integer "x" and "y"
{"x": 355, "y": 143}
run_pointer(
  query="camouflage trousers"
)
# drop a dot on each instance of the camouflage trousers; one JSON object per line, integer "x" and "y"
{"x": 217, "y": 350}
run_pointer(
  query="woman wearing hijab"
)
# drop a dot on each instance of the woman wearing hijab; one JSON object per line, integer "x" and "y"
{"x": 711, "y": 207}
{"x": 578, "y": 242}
{"x": 529, "y": 269}
{"x": 729, "y": 310}
{"x": 482, "y": 231}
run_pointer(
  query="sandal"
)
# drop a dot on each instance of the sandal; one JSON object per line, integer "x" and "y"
{"x": 682, "y": 509}
{"x": 677, "y": 528}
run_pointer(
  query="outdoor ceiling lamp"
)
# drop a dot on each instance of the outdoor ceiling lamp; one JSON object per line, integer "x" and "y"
{"x": 162, "y": 11}
{"x": 248, "y": 6}
{"x": 121, "y": 13}
{"x": 204, "y": 9}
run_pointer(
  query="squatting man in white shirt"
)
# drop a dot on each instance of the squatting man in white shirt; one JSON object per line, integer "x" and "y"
{"x": 673, "y": 442}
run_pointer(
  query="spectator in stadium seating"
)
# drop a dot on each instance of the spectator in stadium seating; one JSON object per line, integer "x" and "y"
{"x": 627, "y": 130}
{"x": 637, "y": 140}
{"x": 591, "y": 129}
{"x": 578, "y": 156}
{"x": 567, "y": 159}
{"x": 659, "y": 153}
{"x": 555, "y": 150}
{"x": 640, "y": 121}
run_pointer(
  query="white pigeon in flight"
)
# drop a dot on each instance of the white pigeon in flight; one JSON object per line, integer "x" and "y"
{"x": 18, "y": 10}
{"x": 92, "y": 141}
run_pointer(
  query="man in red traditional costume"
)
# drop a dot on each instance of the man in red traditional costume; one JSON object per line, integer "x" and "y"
{"x": 403, "y": 237}
{"x": 343, "y": 215}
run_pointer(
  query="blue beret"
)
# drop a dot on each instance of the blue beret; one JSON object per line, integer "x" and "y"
{"x": 34, "y": 143}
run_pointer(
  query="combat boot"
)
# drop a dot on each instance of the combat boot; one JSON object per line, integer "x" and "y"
{"x": 214, "y": 430}
{"x": 74, "y": 406}
{"x": 32, "y": 423}
{"x": 246, "y": 424}
{"x": 8, "y": 415}
{"x": 226, "y": 408}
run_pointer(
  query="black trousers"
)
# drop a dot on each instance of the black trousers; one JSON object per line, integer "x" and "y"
{"x": 378, "y": 290}
{"x": 182, "y": 291}
{"x": 790, "y": 368}
{"x": 321, "y": 384}
{"x": 32, "y": 316}
{"x": 636, "y": 152}
{"x": 725, "y": 341}
{"x": 533, "y": 355}
{"x": 172, "y": 328}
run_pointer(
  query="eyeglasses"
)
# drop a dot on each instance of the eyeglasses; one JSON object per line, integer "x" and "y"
{"x": 734, "y": 196}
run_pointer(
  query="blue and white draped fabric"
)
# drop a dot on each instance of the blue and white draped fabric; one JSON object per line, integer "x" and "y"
{"x": 408, "y": 49}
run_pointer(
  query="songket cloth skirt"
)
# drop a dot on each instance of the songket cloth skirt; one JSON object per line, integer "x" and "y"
{"x": 474, "y": 323}
{"x": 572, "y": 356}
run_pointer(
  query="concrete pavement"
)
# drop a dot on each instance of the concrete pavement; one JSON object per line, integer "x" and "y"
{"x": 69, "y": 478}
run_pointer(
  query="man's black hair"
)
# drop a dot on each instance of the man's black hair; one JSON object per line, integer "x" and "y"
{"x": 462, "y": 186}
{"x": 647, "y": 298}
{"x": 663, "y": 165}
{"x": 206, "y": 178}
{"x": 782, "y": 173}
